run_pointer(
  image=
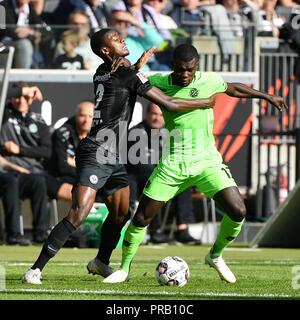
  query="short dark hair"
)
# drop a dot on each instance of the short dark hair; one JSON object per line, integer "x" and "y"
{"x": 185, "y": 52}
{"x": 98, "y": 40}
{"x": 20, "y": 84}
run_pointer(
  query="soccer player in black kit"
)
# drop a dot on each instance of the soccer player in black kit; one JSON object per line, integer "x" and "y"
{"x": 98, "y": 162}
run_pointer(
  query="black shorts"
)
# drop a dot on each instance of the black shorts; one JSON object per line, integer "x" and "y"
{"x": 104, "y": 178}
{"x": 54, "y": 183}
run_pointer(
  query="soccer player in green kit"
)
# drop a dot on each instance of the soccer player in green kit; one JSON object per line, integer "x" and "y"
{"x": 192, "y": 160}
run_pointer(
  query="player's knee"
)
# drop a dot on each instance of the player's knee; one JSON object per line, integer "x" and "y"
{"x": 139, "y": 220}
{"x": 121, "y": 218}
{"x": 239, "y": 212}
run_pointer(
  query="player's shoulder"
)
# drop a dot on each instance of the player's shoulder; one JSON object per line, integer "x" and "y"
{"x": 159, "y": 79}
{"x": 208, "y": 75}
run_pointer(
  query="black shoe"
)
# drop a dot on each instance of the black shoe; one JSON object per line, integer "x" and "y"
{"x": 159, "y": 237}
{"x": 17, "y": 239}
{"x": 183, "y": 236}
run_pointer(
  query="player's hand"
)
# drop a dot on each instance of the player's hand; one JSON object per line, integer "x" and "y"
{"x": 24, "y": 32}
{"x": 71, "y": 161}
{"x": 11, "y": 147}
{"x": 32, "y": 93}
{"x": 119, "y": 62}
{"x": 145, "y": 57}
{"x": 211, "y": 101}
{"x": 278, "y": 102}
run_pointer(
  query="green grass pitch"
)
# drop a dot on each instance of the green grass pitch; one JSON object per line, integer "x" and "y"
{"x": 262, "y": 273}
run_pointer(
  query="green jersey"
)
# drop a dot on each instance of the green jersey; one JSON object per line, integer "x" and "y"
{"x": 190, "y": 132}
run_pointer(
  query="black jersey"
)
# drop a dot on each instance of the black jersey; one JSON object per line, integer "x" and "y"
{"x": 115, "y": 97}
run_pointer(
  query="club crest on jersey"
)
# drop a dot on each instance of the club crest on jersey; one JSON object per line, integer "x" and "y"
{"x": 33, "y": 128}
{"x": 93, "y": 179}
{"x": 142, "y": 77}
{"x": 194, "y": 92}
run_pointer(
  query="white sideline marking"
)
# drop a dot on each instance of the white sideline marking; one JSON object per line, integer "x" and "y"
{"x": 18, "y": 264}
{"x": 161, "y": 293}
{"x": 243, "y": 249}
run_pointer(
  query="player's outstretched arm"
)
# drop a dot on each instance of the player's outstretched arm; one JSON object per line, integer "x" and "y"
{"x": 240, "y": 90}
{"x": 178, "y": 104}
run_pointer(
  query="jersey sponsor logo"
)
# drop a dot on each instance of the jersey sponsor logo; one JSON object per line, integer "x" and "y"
{"x": 194, "y": 92}
{"x": 104, "y": 77}
{"x": 93, "y": 179}
{"x": 142, "y": 77}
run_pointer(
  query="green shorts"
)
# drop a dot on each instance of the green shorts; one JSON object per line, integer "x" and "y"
{"x": 171, "y": 178}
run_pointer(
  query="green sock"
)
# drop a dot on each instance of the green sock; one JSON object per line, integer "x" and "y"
{"x": 132, "y": 239}
{"x": 229, "y": 230}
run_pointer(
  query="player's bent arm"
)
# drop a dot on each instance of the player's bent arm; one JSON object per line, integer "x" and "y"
{"x": 240, "y": 90}
{"x": 178, "y": 104}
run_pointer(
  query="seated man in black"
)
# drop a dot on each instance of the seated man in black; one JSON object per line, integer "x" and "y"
{"x": 26, "y": 141}
{"x": 65, "y": 141}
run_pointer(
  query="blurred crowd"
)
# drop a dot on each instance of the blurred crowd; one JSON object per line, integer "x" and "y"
{"x": 56, "y": 33}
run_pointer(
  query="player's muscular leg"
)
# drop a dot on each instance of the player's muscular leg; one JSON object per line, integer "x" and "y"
{"x": 146, "y": 211}
{"x": 83, "y": 200}
{"x": 231, "y": 201}
{"x": 118, "y": 205}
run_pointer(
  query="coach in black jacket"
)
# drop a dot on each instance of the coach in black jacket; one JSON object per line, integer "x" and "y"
{"x": 66, "y": 139}
{"x": 25, "y": 141}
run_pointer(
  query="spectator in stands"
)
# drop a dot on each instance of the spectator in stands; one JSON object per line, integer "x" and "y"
{"x": 139, "y": 173}
{"x": 79, "y": 22}
{"x": 268, "y": 22}
{"x": 21, "y": 36}
{"x": 71, "y": 60}
{"x": 206, "y": 19}
{"x": 291, "y": 37}
{"x": 189, "y": 16}
{"x": 165, "y": 52}
{"x": 289, "y": 3}
{"x": 66, "y": 139}
{"x": 239, "y": 17}
{"x": 144, "y": 13}
{"x": 97, "y": 11}
{"x": 38, "y": 6}
{"x": 26, "y": 141}
{"x": 164, "y": 19}
{"x": 137, "y": 44}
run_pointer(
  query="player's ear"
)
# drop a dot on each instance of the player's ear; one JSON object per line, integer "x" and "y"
{"x": 104, "y": 51}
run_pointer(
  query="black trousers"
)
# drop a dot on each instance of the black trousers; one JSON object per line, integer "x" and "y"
{"x": 15, "y": 186}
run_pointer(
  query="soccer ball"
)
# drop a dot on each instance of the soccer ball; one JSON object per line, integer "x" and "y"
{"x": 172, "y": 271}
